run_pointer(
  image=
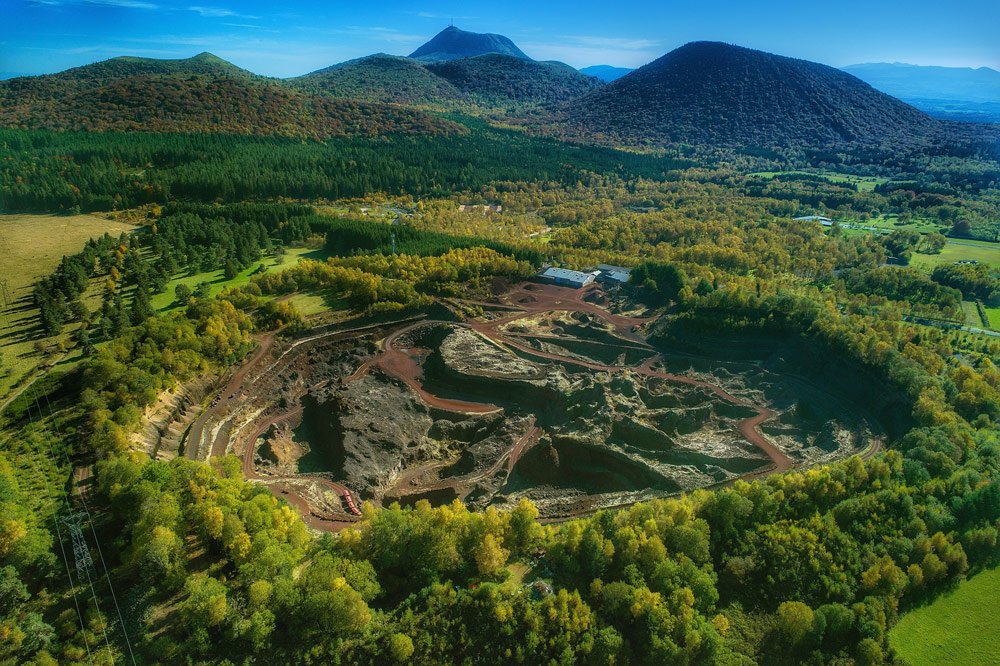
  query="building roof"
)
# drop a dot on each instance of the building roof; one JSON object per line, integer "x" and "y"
{"x": 813, "y": 218}
{"x": 608, "y": 268}
{"x": 568, "y": 275}
{"x": 619, "y": 276}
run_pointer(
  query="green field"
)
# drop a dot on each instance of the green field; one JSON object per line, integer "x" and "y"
{"x": 864, "y": 183}
{"x": 960, "y": 628}
{"x": 890, "y": 223}
{"x": 971, "y": 313}
{"x": 217, "y": 280}
{"x": 994, "y": 316}
{"x": 957, "y": 249}
{"x": 314, "y": 304}
{"x": 31, "y": 246}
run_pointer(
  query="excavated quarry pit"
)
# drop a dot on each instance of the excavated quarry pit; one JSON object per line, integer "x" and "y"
{"x": 552, "y": 398}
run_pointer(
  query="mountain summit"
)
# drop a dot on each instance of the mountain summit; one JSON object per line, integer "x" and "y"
{"x": 455, "y": 44}
{"x": 720, "y": 94}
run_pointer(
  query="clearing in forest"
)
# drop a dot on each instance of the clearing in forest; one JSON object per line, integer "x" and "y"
{"x": 31, "y": 247}
{"x": 958, "y": 628}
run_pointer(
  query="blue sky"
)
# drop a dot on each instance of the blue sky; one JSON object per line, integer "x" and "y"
{"x": 291, "y": 37}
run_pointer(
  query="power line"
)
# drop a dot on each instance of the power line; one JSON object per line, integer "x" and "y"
{"x": 81, "y": 550}
{"x": 55, "y": 520}
{"x": 39, "y": 475}
{"x": 97, "y": 543}
{"x": 72, "y": 585}
{"x": 84, "y": 562}
{"x": 93, "y": 591}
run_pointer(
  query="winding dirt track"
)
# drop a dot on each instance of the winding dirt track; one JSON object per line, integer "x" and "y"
{"x": 402, "y": 363}
{"x": 547, "y": 298}
{"x": 511, "y": 456}
{"x": 534, "y": 299}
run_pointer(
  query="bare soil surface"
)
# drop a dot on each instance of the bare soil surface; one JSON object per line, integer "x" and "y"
{"x": 548, "y": 395}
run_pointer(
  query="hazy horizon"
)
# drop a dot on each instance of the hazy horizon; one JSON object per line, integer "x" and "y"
{"x": 45, "y": 36}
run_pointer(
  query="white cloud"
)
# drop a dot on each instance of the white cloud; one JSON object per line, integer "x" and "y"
{"x": 212, "y": 12}
{"x": 584, "y": 56}
{"x": 377, "y": 33}
{"x": 443, "y": 17}
{"x": 121, "y": 4}
{"x": 249, "y": 26}
{"x": 218, "y": 12}
{"x": 624, "y": 44}
{"x": 585, "y": 50}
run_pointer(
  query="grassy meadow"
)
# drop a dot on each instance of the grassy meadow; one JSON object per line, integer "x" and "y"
{"x": 957, "y": 249}
{"x": 217, "y": 281}
{"x": 960, "y": 628}
{"x": 31, "y": 247}
{"x": 864, "y": 183}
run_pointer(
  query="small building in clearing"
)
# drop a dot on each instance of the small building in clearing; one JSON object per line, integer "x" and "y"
{"x": 825, "y": 221}
{"x": 566, "y": 278}
{"x": 614, "y": 275}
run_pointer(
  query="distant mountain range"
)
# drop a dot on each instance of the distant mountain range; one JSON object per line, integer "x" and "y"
{"x": 606, "y": 73}
{"x": 456, "y": 70}
{"x": 960, "y": 93}
{"x": 704, "y": 93}
{"x": 200, "y": 94}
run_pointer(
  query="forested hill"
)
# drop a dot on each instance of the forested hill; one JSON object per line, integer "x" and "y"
{"x": 718, "y": 94}
{"x": 381, "y": 78}
{"x": 491, "y": 82}
{"x": 497, "y": 80}
{"x": 201, "y": 94}
{"x": 203, "y": 64}
{"x": 453, "y": 44}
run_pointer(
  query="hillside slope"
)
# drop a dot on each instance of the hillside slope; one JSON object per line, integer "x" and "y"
{"x": 380, "y": 78}
{"x": 201, "y": 94}
{"x": 497, "y": 80}
{"x": 718, "y": 94}
{"x": 454, "y": 44}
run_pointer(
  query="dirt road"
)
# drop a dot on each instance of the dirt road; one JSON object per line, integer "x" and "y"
{"x": 399, "y": 362}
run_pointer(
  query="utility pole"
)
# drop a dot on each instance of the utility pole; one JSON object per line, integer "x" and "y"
{"x": 393, "y": 236}
{"x": 81, "y": 553}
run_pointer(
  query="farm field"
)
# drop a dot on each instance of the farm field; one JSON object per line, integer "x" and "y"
{"x": 864, "y": 183}
{"x": 954, "y": 629}
{"x": 971, "y": 313}
{"x": 889, "y": 223}
{"x": 958, "y": 249}
{"x": 994, "y": 316}
{"x": 31, "y": 246}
